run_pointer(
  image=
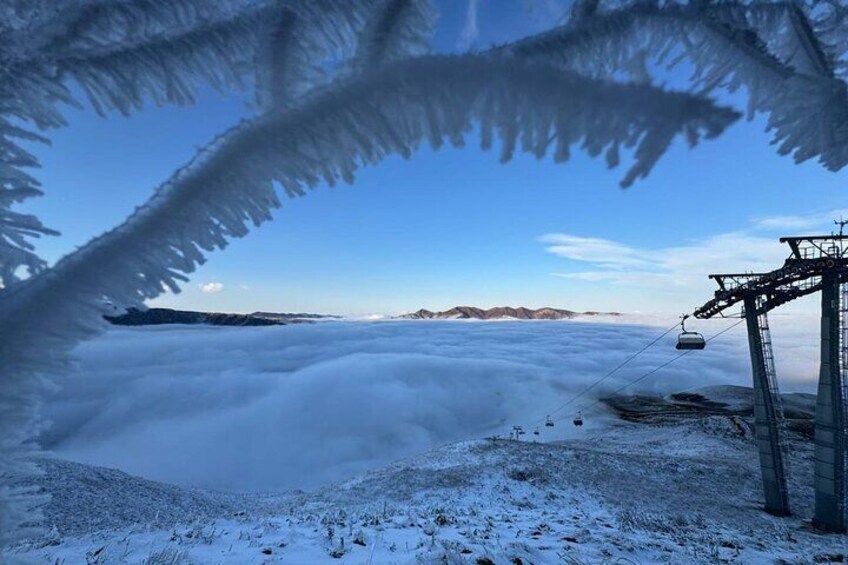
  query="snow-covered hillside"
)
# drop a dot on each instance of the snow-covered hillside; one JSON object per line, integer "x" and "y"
{"x": 682, "y": 489}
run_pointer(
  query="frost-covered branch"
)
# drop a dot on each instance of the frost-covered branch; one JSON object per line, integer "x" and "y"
{"x": 167, "y": 66}
{"x": 166, "y": 69}
{"x": 807, "y": 112}
{"x": 790, "y": 34}
{"x": 121, "y": 52}
{"x": 80, "y": 24}
{"x": 16, "y": 184}
{"x": 833, "y": 27}
{"x": 285, "y": 68}
{"x": 396, "y": 29}
{"x": 125, "y": 52}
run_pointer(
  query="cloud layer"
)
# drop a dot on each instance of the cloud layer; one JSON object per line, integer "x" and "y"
{"x": 681, "y": 266}
{"x": 261, "y": 409}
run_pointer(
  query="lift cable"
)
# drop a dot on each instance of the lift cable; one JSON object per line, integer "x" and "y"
{"x": 606, "y": 376}
{"x": 652, "y": 371}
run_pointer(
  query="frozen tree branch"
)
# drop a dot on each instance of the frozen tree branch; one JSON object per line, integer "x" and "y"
{"x": 833, "y": 28}
{"x": 124, "y": 52}
{"x": 285, "y": 69}
{"x": 808, "y": 112}
{"x": 16, "y": 229}
{"x": 790, "y": 34}
{"x": 396, "y": 29}
{"x": 121, "y": 52}
{"x": 166, "y": 67}
{"x": 90, "y": 23}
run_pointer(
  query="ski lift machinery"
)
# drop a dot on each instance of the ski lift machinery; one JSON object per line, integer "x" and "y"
{"x": 689, "y": 340}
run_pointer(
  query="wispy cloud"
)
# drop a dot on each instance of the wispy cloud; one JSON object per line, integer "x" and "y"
{"x": 755, "y": 248}
{"x": 820, "y": 221}
{"x": 604, "y": 252}
{"x": 211, "y": 287}
{"x": 616, "y": 262}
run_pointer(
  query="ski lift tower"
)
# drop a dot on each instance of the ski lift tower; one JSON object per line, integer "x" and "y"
{"x": 816, "y": 263}
{"x": 768, "y": 412}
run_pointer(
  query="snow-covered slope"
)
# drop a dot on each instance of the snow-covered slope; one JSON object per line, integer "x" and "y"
{"x": 684, "y": 491}
{"x": 87, "y": 499}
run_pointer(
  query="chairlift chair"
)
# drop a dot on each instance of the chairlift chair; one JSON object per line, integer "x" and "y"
{"x": 689, "y": 340}
{"x": 578, "y": 420}
{"x": 548, "y": 422}
{"x": 536, "y": 432}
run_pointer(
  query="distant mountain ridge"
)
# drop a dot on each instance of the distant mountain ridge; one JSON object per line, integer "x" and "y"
{"x": 500, "y": 313}
{"x": 159, "y": 316}
{"x": 288, "y": 316}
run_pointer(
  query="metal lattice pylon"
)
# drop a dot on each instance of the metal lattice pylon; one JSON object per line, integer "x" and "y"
{"x": 817, "y": 263}
{"x": 768, "y": 410}
{"x": 831, "y": 408}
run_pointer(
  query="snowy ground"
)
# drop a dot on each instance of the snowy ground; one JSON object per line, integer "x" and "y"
{"x": 666, "y": 490}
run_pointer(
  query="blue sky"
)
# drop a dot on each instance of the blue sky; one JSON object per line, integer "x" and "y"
{"x": 455, "y": 227}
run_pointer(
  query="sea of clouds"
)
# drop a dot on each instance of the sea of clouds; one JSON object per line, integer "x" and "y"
{"x": 276, "y": 408}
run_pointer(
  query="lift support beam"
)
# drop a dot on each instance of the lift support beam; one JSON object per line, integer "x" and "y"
{"x": 816, "y": 264}
{"x": 831, "y": 408}
{"x": 768, "y": 412}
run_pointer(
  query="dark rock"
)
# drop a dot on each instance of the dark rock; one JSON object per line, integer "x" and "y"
{"x": 733, "y": 401}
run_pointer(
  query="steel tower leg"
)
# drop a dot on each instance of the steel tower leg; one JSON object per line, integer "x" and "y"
{"x": 768, "y": 412}
{"x": 830, "y": 473}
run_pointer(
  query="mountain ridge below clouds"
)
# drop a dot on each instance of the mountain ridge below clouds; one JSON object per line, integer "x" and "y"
{"x": 501, "y": 313}
{"x": 159, "y": 316}
{"x": 288, "y": 316}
